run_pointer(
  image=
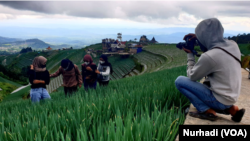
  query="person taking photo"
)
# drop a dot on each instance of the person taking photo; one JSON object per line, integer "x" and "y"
{"x": 220, "y": 64}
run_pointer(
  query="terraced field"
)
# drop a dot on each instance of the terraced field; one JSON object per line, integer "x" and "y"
{"x": 175, "y": 57}
{"x": 151, "y": 60}
{"x": 8, "y": 58}
{"x": 121, "y": 66}
{"x": 55, "y": 61}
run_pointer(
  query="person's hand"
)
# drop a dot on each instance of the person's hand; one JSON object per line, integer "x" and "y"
{"x": 186, "y": 50}
{"x": 97, "y": 72}
{"x": 191, "y": 35}
{"x": 38, "y": 81}
{"x": 50, "y": 75}
{"x": 87, "y": 77}
{"x": 89, "y": 69}
{"x": 80, "y": 85}
{"x": 31, "y": 67}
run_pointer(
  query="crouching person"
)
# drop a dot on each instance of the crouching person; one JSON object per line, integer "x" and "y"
{"x": 71, "y": 76}
{"x": 222, "y": 69}
{"x": 39, "y": 78}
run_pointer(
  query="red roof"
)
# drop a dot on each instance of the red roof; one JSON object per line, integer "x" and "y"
{"x": 123, "y": 42}
{"x": 138, "y": 46}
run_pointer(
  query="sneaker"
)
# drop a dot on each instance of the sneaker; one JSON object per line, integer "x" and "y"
{"x": 204, "y": 115}
{"x": 225, "y": 112}
{"x": 238, "y": 116}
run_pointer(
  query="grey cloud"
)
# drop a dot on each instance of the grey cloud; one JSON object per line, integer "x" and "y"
{"x": 134, "y": 10}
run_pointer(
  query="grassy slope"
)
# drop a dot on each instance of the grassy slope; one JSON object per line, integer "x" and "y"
{"x": 153, "y": 61}
{"x": 243, "y": 49}
{"x": 175, "y": 56}
{"x": 10, "y": 82}
{"x": 95, "y": 46}
{"x": 145, "y": 107}
{"x": 17, "y": 96}
{"x": 6, "y": 89}
{"x": 54, "y": 62}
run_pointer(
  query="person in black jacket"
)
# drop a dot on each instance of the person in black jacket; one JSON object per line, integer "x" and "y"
{"x": 39, "y": 78}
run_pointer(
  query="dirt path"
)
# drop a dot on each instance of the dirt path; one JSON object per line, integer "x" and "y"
{"x": 145, "y": 69}
{"x": 243, "y": 102}
{"x": 20, "y": 88}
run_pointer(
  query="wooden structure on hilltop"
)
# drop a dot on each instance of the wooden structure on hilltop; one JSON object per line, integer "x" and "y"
{"x": 153, "y": 40}
{"x": 144, "y": 39}
{"x": 49, "y": 48}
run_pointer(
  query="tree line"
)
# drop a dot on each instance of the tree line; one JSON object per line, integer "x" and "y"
{"x": 25, "y": 50}
{"x": 10, "y": 74}
{"x": 241, "y": 38}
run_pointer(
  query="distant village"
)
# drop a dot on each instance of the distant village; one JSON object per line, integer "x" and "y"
{"x": 112, "y": 46}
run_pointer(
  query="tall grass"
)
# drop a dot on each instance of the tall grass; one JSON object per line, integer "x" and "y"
{"x": 146, "y": 107}
{"x": 244, "y": 49}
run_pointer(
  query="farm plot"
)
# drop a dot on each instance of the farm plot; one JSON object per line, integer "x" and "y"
{"x": 126, "y": 109}
{"x": 121, "y": 66}
{"x": 54, "y": 63}
{"x": 175, "y": 56}
{"x": 8, "y": 58}
{"x": 152, "y": 61}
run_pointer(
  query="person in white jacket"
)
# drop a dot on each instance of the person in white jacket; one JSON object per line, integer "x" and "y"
{"x": 222, "y": 69}
{"x": 104, "y": 70}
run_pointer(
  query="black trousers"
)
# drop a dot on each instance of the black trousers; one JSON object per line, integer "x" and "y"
{"x": 69, "y": 90}
{"x": 103, "y": 83}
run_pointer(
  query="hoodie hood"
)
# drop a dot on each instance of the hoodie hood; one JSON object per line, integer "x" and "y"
{"x": 67, "y": 64}
{"x": 38, "y": 62}
{"x": 88, "y": 58}
{"x": 210, "y": 32}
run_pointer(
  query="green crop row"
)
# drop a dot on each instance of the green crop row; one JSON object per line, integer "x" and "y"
{"x": 145, "y": 107}
{"x": 152, "y": 61}
{"x": 175, "y": 56}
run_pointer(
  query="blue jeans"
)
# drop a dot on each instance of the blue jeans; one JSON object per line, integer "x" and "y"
{"x": 38, "y": 94}
{"x": 89, "y": 85}
{"x": 199, "y": 95}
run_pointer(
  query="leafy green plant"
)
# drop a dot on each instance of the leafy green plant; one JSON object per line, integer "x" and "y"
{"x": 145, "y": 107}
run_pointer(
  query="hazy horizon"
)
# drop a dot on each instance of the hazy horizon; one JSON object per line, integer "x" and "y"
{"x": 90, "y": 21}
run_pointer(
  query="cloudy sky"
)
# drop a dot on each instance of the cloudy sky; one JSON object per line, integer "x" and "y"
{"x": 234, "y": 15}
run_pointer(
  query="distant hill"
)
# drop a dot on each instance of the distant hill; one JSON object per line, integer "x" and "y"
{"x": 34, "y": 44}
{"x": 6, "y": 40}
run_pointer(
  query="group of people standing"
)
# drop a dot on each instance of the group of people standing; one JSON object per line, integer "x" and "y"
{"x": 39, "y": 76}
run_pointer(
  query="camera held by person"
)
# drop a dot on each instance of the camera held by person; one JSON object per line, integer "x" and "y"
{"x": 191, "y": 41}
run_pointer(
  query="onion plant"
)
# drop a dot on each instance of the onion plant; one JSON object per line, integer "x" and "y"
{"x": 146, "y": 107}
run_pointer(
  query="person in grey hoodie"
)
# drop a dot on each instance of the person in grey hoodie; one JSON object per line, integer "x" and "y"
{"x": 222, "y": 69}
